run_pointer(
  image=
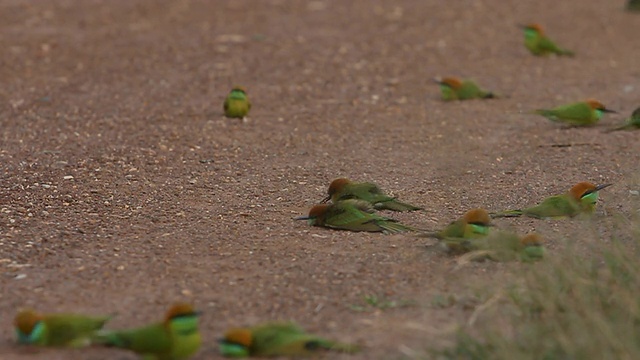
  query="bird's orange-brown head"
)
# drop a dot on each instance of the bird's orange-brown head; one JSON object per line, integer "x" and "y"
{"x": 337, "y": 185}
{"x": 240, "y": 336}
{"x": 180, "y": 310}
{"x": 532, "y": 239}
{"x": 582, "y": 189}
{"x": 534, "y": 27}
{"x": 26, "y": 320}
{"x": 451, "y": 82}
{"x": 597, "y": 105}
{"x": 239, "y": 88}
{"x": 477, "y": 216}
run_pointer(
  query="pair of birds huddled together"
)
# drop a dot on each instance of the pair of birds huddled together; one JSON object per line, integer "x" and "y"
{"x": 353, "y": 207}
{"x": 176, "y": 337}
{"x": 581, "y": 113}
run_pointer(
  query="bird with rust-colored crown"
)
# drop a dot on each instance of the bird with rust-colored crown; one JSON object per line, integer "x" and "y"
{"x": 539, "y": 43}
{"x": 176, "y": 337}
{"x": 353, "y": 215}
{"x": 452, "y": 88}
{"x": 65, "y": 329}
{"x": 475, "y": 223}
{"x": 583, "y": 113}
{"x": 277, "y": 339}
{"x": 343, "y": 189}
{"x": 580, "y": 199}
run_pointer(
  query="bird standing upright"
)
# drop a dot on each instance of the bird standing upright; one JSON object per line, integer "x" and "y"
{"x": 353, "y": 215}
{"x": 539, "y": 44}
{"x": 237, "y": 104}
{"x": 343, "y": 189}
{"x": 277, "y": 339}
{"x": 453, "y": 88}
{"x": 583, "y": 113}
{"x": 580, "y": 199}
{"x": 70, "y": 330}
{"x": 175, "y": 338}
{"x": 633, "y": 122}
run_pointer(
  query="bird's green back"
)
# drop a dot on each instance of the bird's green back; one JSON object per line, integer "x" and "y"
{"x": 554, "y": 206}
{"x": 70, "y": 329}
{"x": 151, "y": 339}
{"x": 364, "y": 191}
{"x": 290, "y": 340}
{"x": 469, "y": 90}
{"x": 372, "y": 194}
{"x": 575, "y": 114}
{"x": 541, "y": 45}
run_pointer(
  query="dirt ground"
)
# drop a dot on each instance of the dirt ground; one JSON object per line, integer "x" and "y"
{"x": 124, "y": 189}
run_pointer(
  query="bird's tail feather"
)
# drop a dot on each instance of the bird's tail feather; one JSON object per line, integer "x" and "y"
{"x": 107, "y": 338}
{"x": 396, "y": 206}
{"x": 393, "y": 227}
{"x": 507, "y": 213}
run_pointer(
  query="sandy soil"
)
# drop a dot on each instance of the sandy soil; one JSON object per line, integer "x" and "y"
{"x": 123, "y": 189}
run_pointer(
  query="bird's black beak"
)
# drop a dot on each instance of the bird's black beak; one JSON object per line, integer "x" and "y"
{"x": 609, "y": 111}
{"x": 324, "y": 201}
{"x": 302, "y": 218}
{"x": 600, "y": 187}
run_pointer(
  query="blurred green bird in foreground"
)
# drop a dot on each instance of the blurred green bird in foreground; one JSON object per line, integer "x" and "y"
{"x": 71, "y": 330}
{"x": 583, "y": 113}
{"x": 344, "y": 189}
{"x": 453, "y": 88}
{"x": 633, "y": 5}
{"x": 633, "y": 122}
{"x": 353, "y": 215}
{"x": 504, "y": 246}
{"x": 237, "y": 104}
{"x": 277, "y": 339}
{"x": 475, "y": 223}
{"x": 580, "y": 199}
{"x": 539, "y": 44}
{"x": 177, "y": 337}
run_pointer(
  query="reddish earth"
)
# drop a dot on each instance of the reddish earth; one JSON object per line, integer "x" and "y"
{"x": 123, "y": 189}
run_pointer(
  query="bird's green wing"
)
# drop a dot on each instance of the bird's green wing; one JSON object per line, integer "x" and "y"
{"x": 153, "y": 339}
{"x": 454, "y": 230}
{"x": 554, "y": 206}
{"x": 548, "y": 46}
{"x": 292, "y": 341}
{"x": 577, "y": 111}
{"x": 72, "y": 330}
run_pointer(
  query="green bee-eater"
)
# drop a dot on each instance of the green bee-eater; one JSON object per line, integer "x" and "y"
{"x": 354, "y": 215}
{"x": 503, "y": 246}
{"x": 633, "y": 5}
{"x": 580, "y": 199}
{"x": 70, "y": 330}
{"x": 177, "y": 337}
{"x": 474, "y": 223}
{"x": 632, "y": 122}
{"x": 455, "y": 89}
{"x": 539, "y": 44}
{"x": 581, "y": 113}
{"x": 532, "y": 247}
{"x": 277, "y": 339}
{"x": 237, "y": 104}
{"x": 343, "y": 189}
